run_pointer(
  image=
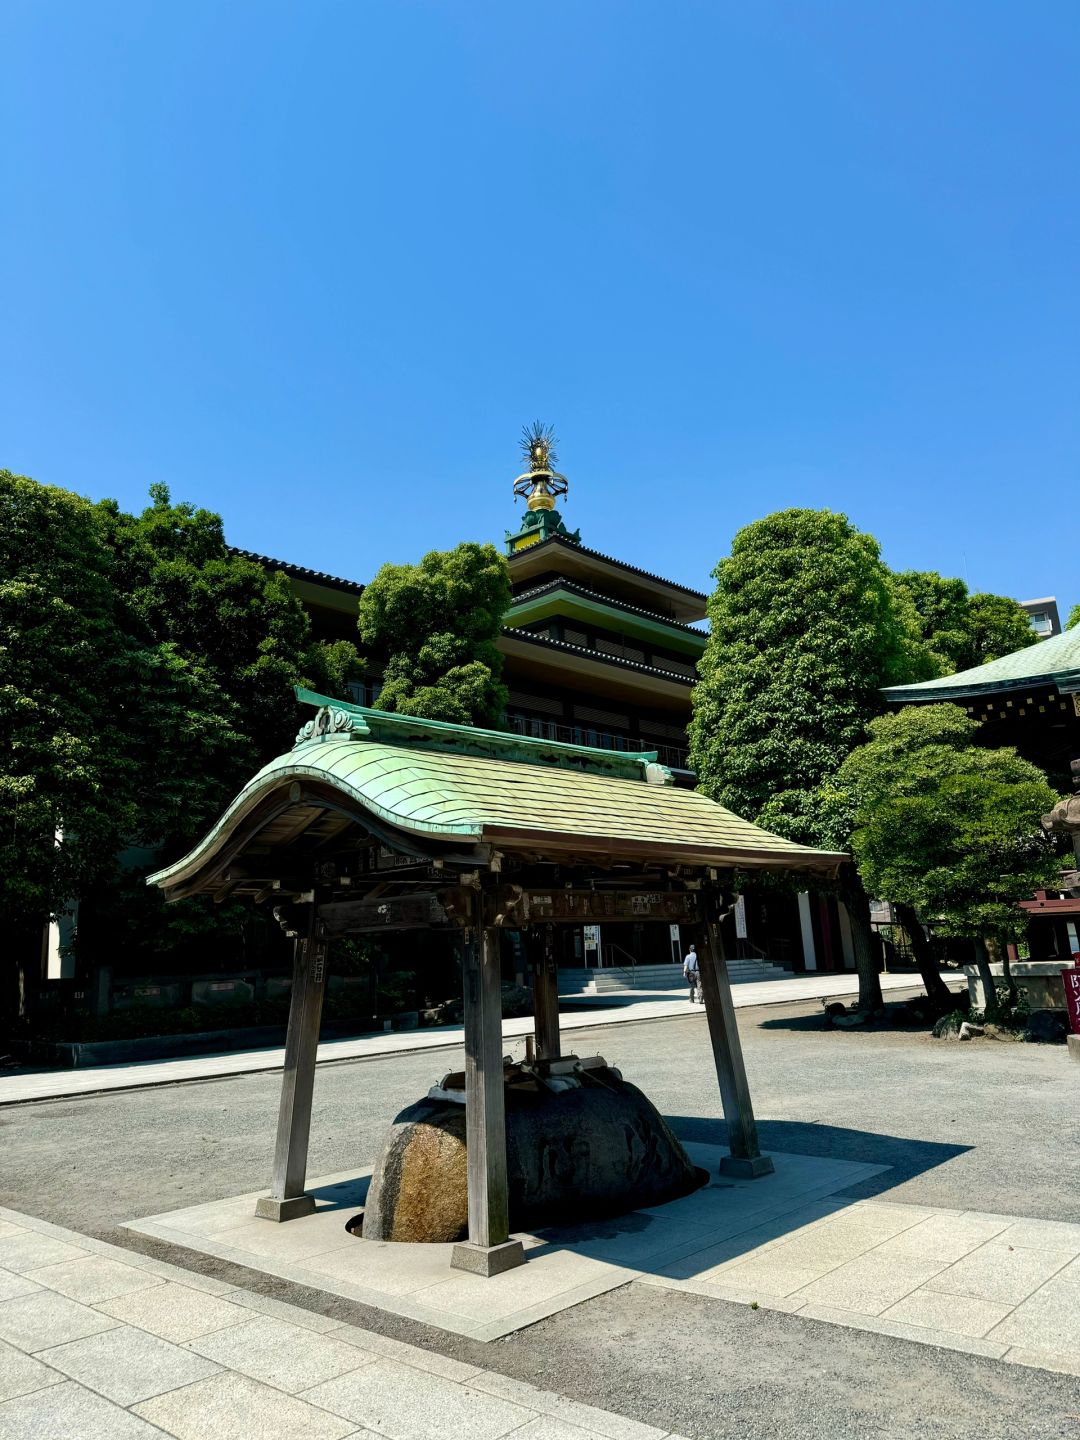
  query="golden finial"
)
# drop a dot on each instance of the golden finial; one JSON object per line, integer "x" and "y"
{"x": 541, "y": 484}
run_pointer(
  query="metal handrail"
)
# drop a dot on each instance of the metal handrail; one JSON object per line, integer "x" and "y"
{"x": 762, "y": 954}
{"x": 611, "y": 948}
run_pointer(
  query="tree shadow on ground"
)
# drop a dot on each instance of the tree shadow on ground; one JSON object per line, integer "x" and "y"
{"x": 897, "y": 1018}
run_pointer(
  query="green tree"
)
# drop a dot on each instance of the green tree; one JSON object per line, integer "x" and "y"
{"x": 805, "y": 628}
{"x": 435, "y": 626}
{"x": 68, "y": 786}
{"x": 1074, "y": 617}
{"x": 238, "y": 628}
{"x": 220, "y": 642}
{"x": 946, "y": 827}
{"x": 963, "y": 630}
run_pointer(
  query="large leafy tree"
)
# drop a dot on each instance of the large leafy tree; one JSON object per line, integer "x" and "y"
{"x": 963, "y": 630}
{"x": 434, "y": 628}
{"x": 144, "y": 671}
{"x": 805, "y": 627}
{"x": 945, "y": 827}
{"x": 1074, "y": 617}
{"x": 67, "y": 783}
{"x": 221, "y": 643}
{"x": 237, "y": 627}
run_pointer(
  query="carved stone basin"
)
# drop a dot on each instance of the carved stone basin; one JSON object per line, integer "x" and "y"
{"x": 582, "y": 1144}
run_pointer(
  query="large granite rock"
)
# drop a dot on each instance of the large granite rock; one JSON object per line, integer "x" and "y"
{"x": 588, "y": 1152}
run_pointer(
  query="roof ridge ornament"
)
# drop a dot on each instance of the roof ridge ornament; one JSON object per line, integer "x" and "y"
{"x": 330, "y": 721}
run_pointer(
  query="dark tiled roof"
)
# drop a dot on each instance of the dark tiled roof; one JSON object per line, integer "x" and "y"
{"x": 299, "y": 572}
{"x": 618, "y": 660}
{"x": 610, "y": 560}
{"x": 560, "y": 584}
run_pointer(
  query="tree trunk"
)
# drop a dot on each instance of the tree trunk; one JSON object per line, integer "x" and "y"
{"x": 936, "y": 989}
{"x": 999, "y": 954}
{"x": 862, "y": 940}
{"x": 982, "y": 962}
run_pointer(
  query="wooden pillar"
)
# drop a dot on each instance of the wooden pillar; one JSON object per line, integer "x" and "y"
{"x": 546, "y": 994}
{"x": 287, "y": 1199}
{"x": 746, "y": 1160}
{"x": 489, "y": 1249}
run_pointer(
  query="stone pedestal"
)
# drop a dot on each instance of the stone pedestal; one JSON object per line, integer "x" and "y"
{"x": 487, "y": 1260}
{"x": 746, "y": 1168}
{"x": 1074, "y": 1048}
{"x": 267, "y": 1208}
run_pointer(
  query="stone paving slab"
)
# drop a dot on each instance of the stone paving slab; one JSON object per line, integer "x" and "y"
{"x": 265, "y": 1371}
{"x": 1004, "y": 1295}
{"x": 127, "y": 1365}
{"x": 564, "y": 1268}
{"x": 20, "y": 1373}
{"x": 68, "y": 1378}
{"x": 71, "y": 1412}
{"x": 48, "y": 1084}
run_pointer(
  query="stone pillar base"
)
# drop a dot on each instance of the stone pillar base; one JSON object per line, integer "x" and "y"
{"x": 1074, "y": 1048}
{"x": 267, "y": 1208}
{"x": 743, "y": 1169}
{"x": 487, "y": 1260}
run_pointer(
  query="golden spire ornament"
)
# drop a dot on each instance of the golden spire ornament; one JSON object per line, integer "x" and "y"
{"x": 541, "y": 485}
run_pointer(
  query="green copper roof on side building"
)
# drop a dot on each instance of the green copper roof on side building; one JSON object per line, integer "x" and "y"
{"x": 1044, "y": 662}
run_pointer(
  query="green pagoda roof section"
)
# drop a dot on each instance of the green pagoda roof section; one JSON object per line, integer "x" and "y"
{"x": 1055, "y": 661}
{"x": 600, "y": 572}
{"x": 599, "y": 656}
{"x": 566, "y": 597}
{"x": 450, "y": 798}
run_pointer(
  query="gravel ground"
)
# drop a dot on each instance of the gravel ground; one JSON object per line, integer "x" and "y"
{"x": 987, "y": 1125}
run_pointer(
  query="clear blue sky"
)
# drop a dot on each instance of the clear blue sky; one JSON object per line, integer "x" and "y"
{"x": 314, "y": 264}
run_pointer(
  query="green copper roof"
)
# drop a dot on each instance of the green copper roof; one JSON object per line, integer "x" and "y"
{"x": 1048, "y": 662}
{"x": 433, "y": 790}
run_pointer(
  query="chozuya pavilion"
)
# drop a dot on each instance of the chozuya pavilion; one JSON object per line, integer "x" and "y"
{"x": 375, "y": 821}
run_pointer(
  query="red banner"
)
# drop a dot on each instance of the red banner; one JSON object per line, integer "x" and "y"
{"x": 1071, "y": 980}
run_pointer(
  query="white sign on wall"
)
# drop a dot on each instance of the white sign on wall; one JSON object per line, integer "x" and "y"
{"x": 740, "y": 917}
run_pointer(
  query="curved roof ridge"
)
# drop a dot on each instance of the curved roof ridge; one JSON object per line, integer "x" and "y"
{"x": 1052, "y": 661}
{"x": 600, "y": 655}
{"x": 560, "y": 582}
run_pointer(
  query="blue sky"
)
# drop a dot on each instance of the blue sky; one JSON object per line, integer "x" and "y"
{"x": 314, "y": 265}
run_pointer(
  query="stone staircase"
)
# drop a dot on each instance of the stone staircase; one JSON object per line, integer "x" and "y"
{"x": 617, "y": 981}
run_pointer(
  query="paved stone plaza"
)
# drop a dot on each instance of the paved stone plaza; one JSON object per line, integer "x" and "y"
{"x": 97, "y": 1343}
{"x": 939, "y": 1255}
{"x": 991, "y": 1285}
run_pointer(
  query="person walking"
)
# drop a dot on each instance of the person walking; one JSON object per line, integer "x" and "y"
{"x": 692, "y": 973}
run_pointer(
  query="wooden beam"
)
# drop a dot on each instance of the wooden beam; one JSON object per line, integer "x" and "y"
{"x": 489, "y": 1249}
{"x": 746, "y": 1160}
{"x": 545, "y": 992}
{"x": 287, "y": 1199}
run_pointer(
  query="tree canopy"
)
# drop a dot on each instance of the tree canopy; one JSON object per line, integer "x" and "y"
{"x": 1074, "y": 617}
{"x": 233, "y": 627}
{"x": 804, "y": 630}
{"x": 145, "y": 670}
{"x": 806, "y": 627}
{"x": 67, "y": 784}
{"x": 946, "y": 826}
{"x": 434, "y": 626}
{"x": 960, "y": 629}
